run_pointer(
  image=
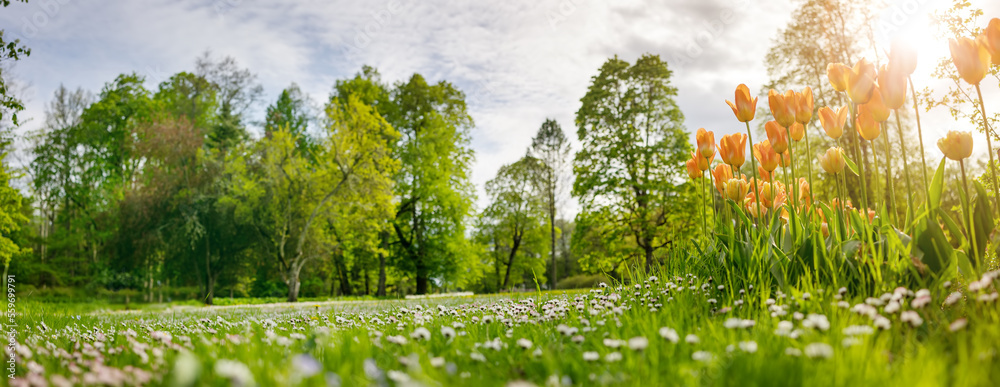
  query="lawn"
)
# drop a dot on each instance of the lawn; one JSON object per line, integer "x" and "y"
{"x": 664, "y": 330}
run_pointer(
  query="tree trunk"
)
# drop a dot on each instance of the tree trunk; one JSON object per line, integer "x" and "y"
{"x": 510, "y": 260}
{"x": 648, "y": 248}
{"x": 367, "y": 283}
{"x": 552, "y": 234}
{"x": 422, "y": 277}
{"x": 381, "y": 275}
{"x": 209, "y": 278}
{"x": 345, "y": 281}
{"x": 292, "y": 280}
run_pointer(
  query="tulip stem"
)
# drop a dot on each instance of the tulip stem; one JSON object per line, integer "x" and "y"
{"x": 809, "y": 156}
{"x": 906, "y": 167}
{"x": 968, "y": 213}
{"x": 753, "y": 162}
{"x": 888, "y": 180}
{"x": 791, "y": 189}
{"x": 704, "y": 203}
{"x": 989, "y": 146}
{"x": 877, "y": 191}
{"x": 861, "y": 160}
{"x": 920, "y": 135}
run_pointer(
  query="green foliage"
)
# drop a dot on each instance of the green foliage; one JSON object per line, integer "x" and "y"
{"x": 631, "y": 162}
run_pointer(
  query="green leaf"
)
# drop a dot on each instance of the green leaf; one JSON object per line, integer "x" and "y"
{"x": 937, "y": 184}
{"x": 851, "y": 166}
{"x": 937, "y": 253}
{"x": 982, "y": 222}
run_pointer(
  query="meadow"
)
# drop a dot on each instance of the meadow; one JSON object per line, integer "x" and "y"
{"x": 657, "y": 330}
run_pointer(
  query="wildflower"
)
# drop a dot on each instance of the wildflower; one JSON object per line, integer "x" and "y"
{"x": 784, "y": 328}
{"x": 613, "y": 357}
{"x": 577, "y": 339}
{"x": 958, "y": 324}
{"x": 922, "y": 299}
{"x": 421, "y": 333}
{"x": 858, "y": 330}
{"x": 669, "y": 334}
{"x": 953, "y": 298}
{"x": 956, "y": 145}
{"x": 702, "y": 356}
{"x": 745, "y": 107}
{"x": 891, "y": 308}
{"x": 400, "y": 340}
{"x": 638, "y": 343}
{"x": 748, "y": 346}
{"x": 818, "y": 351}
{"x": 911, "y": 317}
{"x": 882, "y": 323}
{"x": 524, "y": 343}
{"x": 612, "y": 343}
{"x": 237, "y": 373}
{"x": 816, "y": 321}
{"x": 306, "y": 365}
{"x": 437, "y": 362}
{"x": 477, "y": 356}
{"x": 447, "y": 332}
{"x": 591, "y": 356}
{"x": 691, "y": 339}
{"x": 848, "y": 342}
{"x": 971, "y": 58}
{"x": 793, "y": 352}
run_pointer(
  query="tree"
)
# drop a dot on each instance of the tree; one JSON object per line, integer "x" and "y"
{"x": 633, "y": 147}
{"x": 515, "y": 218}
{"x": 289, "y": 201}
{"x": 10, "y": 51}
{"x": 551, "y": 148}
{"x": 236, "y": 91}
{"x": 432, "y": 186}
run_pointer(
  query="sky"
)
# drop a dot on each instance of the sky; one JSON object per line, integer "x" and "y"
{"x": 518, "y": 61}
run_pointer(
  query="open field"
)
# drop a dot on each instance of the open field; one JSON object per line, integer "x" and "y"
{"x": 663, "y": 331}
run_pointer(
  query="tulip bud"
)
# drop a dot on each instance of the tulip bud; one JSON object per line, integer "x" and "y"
{"x": 880, "y": 112}
{"x": 970, "y": 58}
{"x": 732, "y": 148}
{"x": 706, "y": 143}
{"x": 745, "y": 107}
{"x": 782, "y": 107}
{"x": 766, "y": 155}
{"x": 736, "y": 189}
{"x": 956, "y": 145}
{"x": 833, "y": 123}
{"x": 693, "y": 170}
{"x": 837, "y": 73}
{"x": 804, "y": 107}
{"x": 777, "y": 136}
{"x": 991, "y": 39}
{"x": 833, "y": 160}
{"x": 861, "y": 81}
{"x": 722, "y": 173}
{"x": 797, "y": 131}
{"x": 867, "y": 126}
{"x": 892, "y": 86}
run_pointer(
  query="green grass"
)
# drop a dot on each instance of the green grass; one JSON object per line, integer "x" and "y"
{"x": 349, "y": 341}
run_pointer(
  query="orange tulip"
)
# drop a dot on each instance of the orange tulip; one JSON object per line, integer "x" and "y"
{"x": 785, "y": 159}
{"x": 892, "y": 85}
{"x": 766, "y": 155}
{"x": 956, "y": 145}
{"x": 861, "y": 81}
{"x": 833, "y": 123}
{"x": 837, "y": 73}
{"x": 763, "y": 173}
{"x": 745, "y": 107}
{"x": 991, "y": 38}
{"x": 782, "y": 106}
{"x": 706, "y": 143}
{"x": 736, "y": 189}
{"x": 754, "y": 207}
{"x": 694, "y": 171}
{"x": 732, "y": 148}
{"x": 722, "y": 173}
{"x": 701, "y": 162}
{"x": 804, "y": 107}
{"x": 867, "y": 126}
{"x": 777, "y": 135}
{"x": 902, "y": 58}
{"x": 971, "y": 58}
{"x": 798, "y": 131}
{"x": 833, "y": 160}
{"x": 825, "y": 228}
{"x": 805, "y": 193}
{"x": 880, "y": 112}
